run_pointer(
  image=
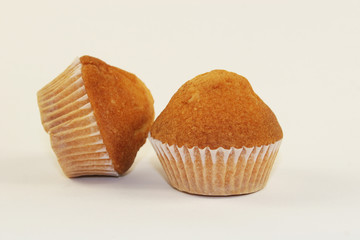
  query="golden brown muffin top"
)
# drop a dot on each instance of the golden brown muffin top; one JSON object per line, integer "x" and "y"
{"x": 217, "y": 109}
{"x": 123, "y": 108}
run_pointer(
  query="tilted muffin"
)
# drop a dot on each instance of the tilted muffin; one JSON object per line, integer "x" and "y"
{"x": 216, "y": 136}
{"x": 97, "y": 116}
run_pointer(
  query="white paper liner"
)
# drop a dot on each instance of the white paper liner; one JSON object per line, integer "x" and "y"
{"x": 216, "y": 172}
{"x": 68, "y": 117}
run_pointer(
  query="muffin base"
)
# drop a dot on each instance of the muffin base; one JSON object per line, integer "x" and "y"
{"x": 218, "y": 172}
{"x": 68, "y": 117}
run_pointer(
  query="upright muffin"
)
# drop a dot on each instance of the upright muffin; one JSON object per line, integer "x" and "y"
{"x": 97, "y": 116}
{"x": 216, "y": 136}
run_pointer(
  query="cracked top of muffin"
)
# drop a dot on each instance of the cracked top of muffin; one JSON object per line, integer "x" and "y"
{"x": 217, "y": 109}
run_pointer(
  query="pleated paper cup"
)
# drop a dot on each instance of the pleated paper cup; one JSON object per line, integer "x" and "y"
{"x": 217, "y": 172}
{"x": 68, "y": 117}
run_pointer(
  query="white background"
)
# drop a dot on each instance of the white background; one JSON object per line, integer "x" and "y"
{"x": 302, "y": 58}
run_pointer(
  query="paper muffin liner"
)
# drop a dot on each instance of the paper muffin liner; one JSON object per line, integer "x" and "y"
{"x": 216, "y": 172}
{"x": 68, "y": 117}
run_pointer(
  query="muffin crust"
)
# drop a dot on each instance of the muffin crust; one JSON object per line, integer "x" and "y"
{"x": 217, "y": 109}
{"x": 123, "y": 108}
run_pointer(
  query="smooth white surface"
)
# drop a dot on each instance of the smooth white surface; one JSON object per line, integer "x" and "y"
{"x": 302, "y": 58}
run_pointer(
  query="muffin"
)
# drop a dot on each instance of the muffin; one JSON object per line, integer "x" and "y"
{"x": 97, "y": 116}
{"x": 216, "y": 136}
